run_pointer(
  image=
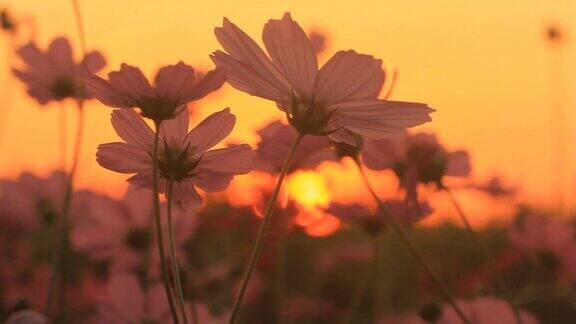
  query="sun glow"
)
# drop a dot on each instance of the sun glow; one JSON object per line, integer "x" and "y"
{"x": 308, "y": 189}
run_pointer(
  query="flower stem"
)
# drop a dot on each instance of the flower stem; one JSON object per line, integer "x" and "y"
{"x": 175, "y": 270}
{"x": 263, "y": 230}
{"x": 406, "y": 240}
{"x": 487, "y": 255}
{"x": 158, "y": 221}
{"x": 63, "y": 141}
{"x": 64, "y": 229}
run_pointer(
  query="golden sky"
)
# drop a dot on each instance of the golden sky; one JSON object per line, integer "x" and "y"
{"x": 483, "y": 65}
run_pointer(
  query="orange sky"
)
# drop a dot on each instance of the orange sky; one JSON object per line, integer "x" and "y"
{"x": 483, "y": 65}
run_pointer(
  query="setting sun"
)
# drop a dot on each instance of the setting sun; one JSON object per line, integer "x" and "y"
{"x": 309, "y": 189}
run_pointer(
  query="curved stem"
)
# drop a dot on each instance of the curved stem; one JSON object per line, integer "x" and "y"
{"x": 487, "y": 255}
{"x": 263, "y": 230}
{"x": 158, "y": 221}
{"x": 79, "y": 26}
{"x": 406, "y": 240}
{"x": 175, "y": 270}
{"x": 63, "y": 140}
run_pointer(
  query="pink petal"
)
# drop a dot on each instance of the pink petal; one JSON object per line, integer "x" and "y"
{"x": 157, "y": 304}
{"x": 144, "y": 180}
{"x": 131, "y": 82}
{"x": 242, "y": 48}
{"x": 106, "y": 93}
{"x": 126, "y": 295}
{"x": 244, "y": 78}
{"x": 212, "y": 81}
{"x": 349, "y": 75}
{"x": 212, "y": 181}
{"x": 132, "y": 128}
{"x": 138, "y": 203}
{"x": 458, "y": 164}
{"x": 378, "y": 119}
{"x": 292, "y": 52}
{"x": 231, "y": 160}
{"x": 61, "y": 54}
{"x": 123, "y": 158}
{"x": 36, "y": 60}
{"x": 185, "y": 194}
{"x": 94, "y": 62}
{"x": 383, "y": 153}
{"x": 211, "y": 130}
{"x": 175, "y": 81}
{"x": 175, "y": 130}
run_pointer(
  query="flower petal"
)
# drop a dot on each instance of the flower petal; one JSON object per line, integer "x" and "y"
{"x": 60, "y": 53}
{"x": 242, "y": 48}
{"x": 211, "y": 130}
{"x": 173, "y": 81}
{"x": 132, "y": 128}
{"x": 107, "y": 94}
{"x": 130, "y": 81}
{"x": 458, "y": 164}
{"x": 236, "y": 159}
{"x": 94, "y": 62}
{"x": 123, "y": 158}
{"x": 212, "y": 81}
{"x": 126, "y": 295}
{"x": 348, "y": 75}
{"x": 383, "y": 153}
{"x": 378, "y": 119}
{"x": 185, "y": 194}
{"x": 174, "y": 130}
{"x": 292, "y": 52}
{"x": 212, "y": 181}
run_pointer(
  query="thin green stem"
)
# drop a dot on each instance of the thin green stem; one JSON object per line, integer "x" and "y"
{"x": 175, "y": 270}
{"x": 158, "y": 220}
{"x": 406, "y": 240}
{"x": 377, "y": 242}
{"x": 487, "y": 255}
{"x": 263, "y": 230}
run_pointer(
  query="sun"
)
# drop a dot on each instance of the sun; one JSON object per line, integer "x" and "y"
{"x": 308, "y": 189}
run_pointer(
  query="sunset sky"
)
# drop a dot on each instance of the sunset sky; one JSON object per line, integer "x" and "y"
{"x": 483, "y": 65}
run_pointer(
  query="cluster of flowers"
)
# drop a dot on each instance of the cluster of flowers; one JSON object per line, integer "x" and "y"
{"x": 111, "y": 272}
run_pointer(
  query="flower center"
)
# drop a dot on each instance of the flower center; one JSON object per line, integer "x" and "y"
{"x": 309, "y": 118}
{"x": 158, "y": 108}
{"x": 177, "y": 165}
{"x": 428, "y": 160}
{"x": 63, "y": 87}
{"x": 138, "y": 239}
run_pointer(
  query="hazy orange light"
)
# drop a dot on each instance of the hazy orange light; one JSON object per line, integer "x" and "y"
{"x": 308, "y": 189}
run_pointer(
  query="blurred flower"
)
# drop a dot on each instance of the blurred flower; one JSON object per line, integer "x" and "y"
{"x": 7, "y": 22}
{"x": 341, "y": 96}
{"x": 372, "y": 222}
{"x": 121, "y": 231}
{"x": 275, "y": 141}
{"x": 184, "y": 157}
{"x": 30, "y": 201}
{"x": 418, "y": 158}
{"x": 206, "y": 317}
{"x": 482, "y": 310}
{"x": 26, "y": 317}
{"x": 318, "y": 40}
{"x": 496, "y": 188}
{"x": 127, "y": 302}
{"x": 174, "y": 86}
{"x": 53, "y": 75}
{"x": 333, "y": 257}
{"x": 554, "y": 34}
{"x": 302, "y": 308}
{"x": 551, "y": 241}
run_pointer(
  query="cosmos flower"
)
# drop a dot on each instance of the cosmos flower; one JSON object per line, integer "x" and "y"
{"x": 551, "y": 241}
{"x": 482, "y": 310}
{"x": 495, "y": 187}
{"x": 183, "y": 156}
{"x": 53, "y": 75}
{"x": 174, "y": 86}
{"x": 276, "y": 139}
{"x": 31, "y": 201}
{"x": 415, "y": 159}
{"x": 371, "y": 221}
{"x": 318, "y": 39}
{"x": 340, "y": 96}
{"x": 122, "y": 232}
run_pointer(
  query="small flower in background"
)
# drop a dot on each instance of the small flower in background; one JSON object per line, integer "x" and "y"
{"x": 496, "y": 188}
{"x": 184, "y": 156}
{"x": 340, "y": 96}
{"x": 7, "y": 22}
{"x": 174, "y": 86}
{"x": 481, "y": 310}
{"x": 121, "y": 231}
{"x": 276, "y": 139}
{"x": 26, "y": 317}
{"x": 550, "y": 241}
{"x": 415, "y": 159}
{"x": 554, "y": 35}
{"x": 318, "y": 40}
{"x": 54, "y": 75}
{"x": 31, "y": 201}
